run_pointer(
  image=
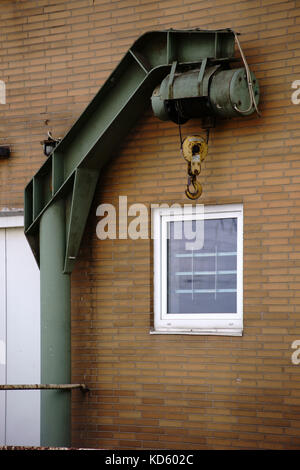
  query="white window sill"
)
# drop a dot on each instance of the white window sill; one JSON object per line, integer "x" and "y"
{"x": 194, "y": 331}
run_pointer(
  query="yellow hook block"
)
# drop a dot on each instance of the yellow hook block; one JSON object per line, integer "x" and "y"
{"x": 194, "y": 150}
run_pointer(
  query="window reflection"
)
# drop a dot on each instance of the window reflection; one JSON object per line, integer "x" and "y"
{"x": 203, "y": 280}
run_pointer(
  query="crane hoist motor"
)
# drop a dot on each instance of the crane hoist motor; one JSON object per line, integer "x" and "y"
{"x": 209, "y": 92}
{"x": 211, "y": 88}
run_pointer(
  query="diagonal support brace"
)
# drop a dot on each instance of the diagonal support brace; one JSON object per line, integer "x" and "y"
{"x": 83, "y": 192}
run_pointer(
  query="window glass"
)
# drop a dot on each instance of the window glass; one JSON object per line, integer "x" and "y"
{"x": 203, "y": 280}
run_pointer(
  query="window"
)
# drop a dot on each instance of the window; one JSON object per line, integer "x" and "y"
{"x": 198, "y": 270}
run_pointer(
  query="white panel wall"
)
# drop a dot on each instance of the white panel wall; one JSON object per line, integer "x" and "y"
{"x": 22, "y": 328}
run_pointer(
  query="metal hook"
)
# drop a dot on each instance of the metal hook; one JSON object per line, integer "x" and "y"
{"x": 197, "y": 186}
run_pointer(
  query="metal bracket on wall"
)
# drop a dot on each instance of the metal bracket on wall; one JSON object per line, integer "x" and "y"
{"x": 4, "y": 151}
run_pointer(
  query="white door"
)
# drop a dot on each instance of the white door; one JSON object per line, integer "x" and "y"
{"x": 19, "y": 338}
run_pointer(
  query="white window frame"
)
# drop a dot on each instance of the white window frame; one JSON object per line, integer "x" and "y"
{"x": 203, "y": 324}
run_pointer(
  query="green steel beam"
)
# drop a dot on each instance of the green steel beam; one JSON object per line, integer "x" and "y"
{"x": 55, "y": 328}
{"x": 82, "y": 195}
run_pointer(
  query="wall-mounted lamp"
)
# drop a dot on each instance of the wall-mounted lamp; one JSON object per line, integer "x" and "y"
{"x": 49, "y": 144}
{"x": 4, "y": 151}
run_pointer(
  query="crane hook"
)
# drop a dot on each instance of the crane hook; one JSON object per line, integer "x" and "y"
{"x": 197, "y": 186}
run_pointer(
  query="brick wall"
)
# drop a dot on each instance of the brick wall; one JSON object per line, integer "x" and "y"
{"x": 169, "y": 391}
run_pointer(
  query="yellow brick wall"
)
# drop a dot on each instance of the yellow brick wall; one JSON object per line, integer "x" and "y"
{"x": 169, "y": 391}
